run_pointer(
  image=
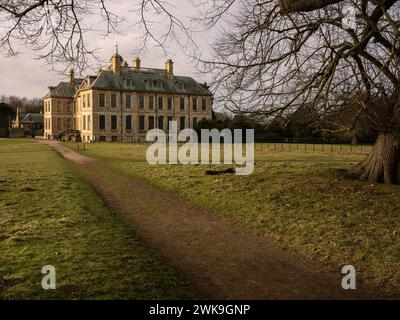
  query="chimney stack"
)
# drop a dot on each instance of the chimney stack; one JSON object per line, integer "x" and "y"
{"x": 116, "y": 62}
{"x": 136, "y": 63}
{"x": 169, "y": 67}
{"x": 71, "y": 75}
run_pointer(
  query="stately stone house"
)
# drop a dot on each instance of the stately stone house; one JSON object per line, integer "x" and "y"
{"x": 123, "y": 101}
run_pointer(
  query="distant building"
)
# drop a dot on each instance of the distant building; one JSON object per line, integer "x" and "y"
{"x": 122, "y": 102}
{"x": 32, "y": 123}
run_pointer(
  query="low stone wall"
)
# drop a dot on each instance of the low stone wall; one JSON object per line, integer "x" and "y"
{"x": 16, "y": 132}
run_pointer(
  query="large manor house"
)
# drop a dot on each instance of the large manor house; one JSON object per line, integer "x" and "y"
{"x": 122, "y": 102}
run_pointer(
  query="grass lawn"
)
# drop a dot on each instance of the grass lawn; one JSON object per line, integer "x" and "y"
{"x": 49, "y": 216}
{"x": 295, "y": 196}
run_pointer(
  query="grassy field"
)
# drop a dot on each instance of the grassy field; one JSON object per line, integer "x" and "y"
{"x": 48, "y": 215}
{"x": 312, "y": 147}
{"x": 300, "y": 198}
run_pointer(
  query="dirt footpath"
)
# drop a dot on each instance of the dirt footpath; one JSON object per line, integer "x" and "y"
{"x": 67, "y": 153}
{"x": 220, "y": 259}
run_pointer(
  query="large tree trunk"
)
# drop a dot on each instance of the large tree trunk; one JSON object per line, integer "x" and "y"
{"x": 383, "y": 163}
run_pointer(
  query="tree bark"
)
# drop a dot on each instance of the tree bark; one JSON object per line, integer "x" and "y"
{"x": 383, "y": 163}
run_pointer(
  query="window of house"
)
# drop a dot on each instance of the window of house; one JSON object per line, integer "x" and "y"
{"x": 180, "y": 85}
{"x": 102, "y": 138}
{"x": 141, "y": 122}
{"x": 88, "y": 122}
{"x": 182, "y": 103}
{"x": 157, "y": 84}
{"x": 88, "y": 100}
{"x": 102, "y": 100}
{"x": 102, "y": 122}
{"x": 141, "y": 102}
{"x": 169, "y": 103}
{"x": 151, "y": 122}
{"x": 151, "y": 102}
{"x": 114, "y": 139}
{"x": 84, "y": 101}
{"x": 113, "y": 100}
{"x": 128, "y": 101}
{"x": 194, "y": 104}
{"x": 161, "y": 122}
{"x": 182, "y": 123}
{"x": 203, "y": 104}
{"x": 128, "y": 124}
{"x": 160, "y": 103}
{"x": 113, "y": 122}
{"x": 194, "y": 122}
{"x": 84, "y": 122}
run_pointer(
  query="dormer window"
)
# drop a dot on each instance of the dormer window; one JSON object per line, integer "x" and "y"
{"x": 129, "y": 82}
{"x": 180, "y": 85}
{"x": 156, "y": 84}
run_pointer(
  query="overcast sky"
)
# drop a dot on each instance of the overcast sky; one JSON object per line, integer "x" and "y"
{"x": 24, "y": 75}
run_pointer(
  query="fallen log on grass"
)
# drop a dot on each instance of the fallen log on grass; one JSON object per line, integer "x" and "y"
{"x": 218, "y": 172}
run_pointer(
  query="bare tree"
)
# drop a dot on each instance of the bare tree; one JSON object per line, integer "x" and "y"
{"x": 271, "y": 62}
{"x": 304, "y": 5}
{"x": 60, "y": 31}
{"x": 55, "y": 30}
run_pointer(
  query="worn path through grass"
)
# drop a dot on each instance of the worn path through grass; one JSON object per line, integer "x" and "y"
{"x": 50, "y": 216}
{"x": 222, "y": 259}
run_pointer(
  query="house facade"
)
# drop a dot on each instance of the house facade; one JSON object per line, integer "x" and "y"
{"x": 121, "y": 103}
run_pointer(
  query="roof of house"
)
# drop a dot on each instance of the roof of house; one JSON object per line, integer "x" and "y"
{"x": 144, "y": 80}
{"x": 31, "y": 118}
{"x": 64, "y": 89}
{"x": 131, "y": 79}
